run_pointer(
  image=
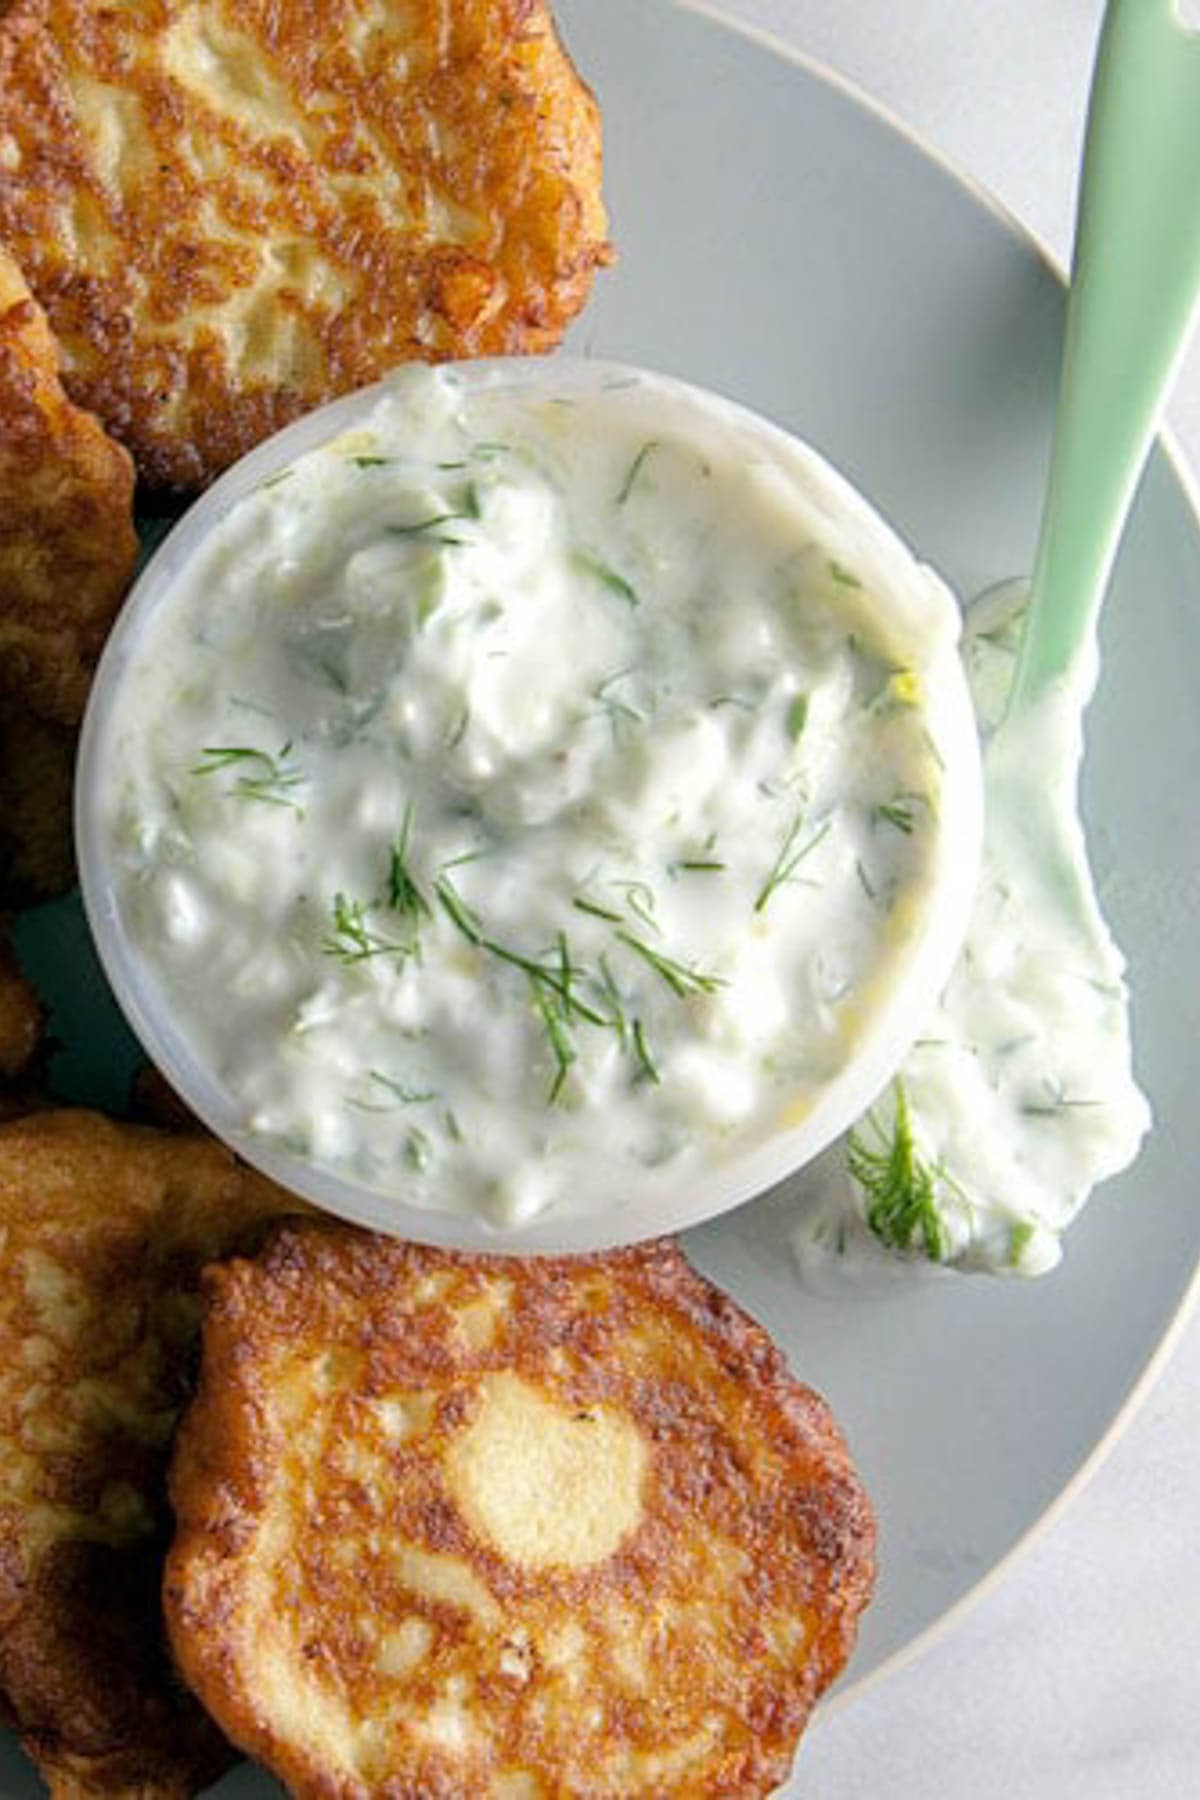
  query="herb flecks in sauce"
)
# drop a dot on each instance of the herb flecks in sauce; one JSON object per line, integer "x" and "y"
{"x": 265, "y": 778}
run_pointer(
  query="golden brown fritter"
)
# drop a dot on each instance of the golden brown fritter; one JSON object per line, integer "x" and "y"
{"x": 37, "y": 857}
{"x": 67, "y": 543}
{"x": 452, "y": 1525}
{"x": 235, "y": 209}
{"x": 103, "y": 1229}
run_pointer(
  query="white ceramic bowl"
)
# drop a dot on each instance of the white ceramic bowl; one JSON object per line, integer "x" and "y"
{"x": 700, "y": 1193}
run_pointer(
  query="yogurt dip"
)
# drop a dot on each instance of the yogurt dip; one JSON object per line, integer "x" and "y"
{"x": 1018, "y": 1096}
{"x": 529, "y": 797}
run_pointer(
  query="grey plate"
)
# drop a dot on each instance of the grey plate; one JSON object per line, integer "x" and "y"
{"x": 783, "y": 242}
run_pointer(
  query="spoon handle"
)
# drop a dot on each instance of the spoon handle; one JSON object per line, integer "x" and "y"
{"x": 1134, "y": 286}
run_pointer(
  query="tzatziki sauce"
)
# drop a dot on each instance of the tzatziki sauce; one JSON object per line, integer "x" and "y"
{"x": 1018, "y": 1097}
{"x": 521, "y": 792}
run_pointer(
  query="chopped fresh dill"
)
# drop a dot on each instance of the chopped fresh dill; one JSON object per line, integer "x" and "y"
{"x": 897, "y": 813}
{"x": 404, "y": 896}
{"x": 639, "y": 898}
{"x": 597, "y": 912}
{"x": 635, "y": 469}
{"x": 679, "y": 977}
{"x": 465, "y": 856}
{"x": 613, "y": 707}
{"x": 559, "y": 977}
{"x": 647, "y": 1069}
{"x": 1018, "y": 1240}
{"x": 460, "y": 730}
{"x": 843, "y": 576}
{"x": 399, "y": 1095}
{"x": 275, "y": 480}
{"x": 352, "y": 941}
{"x": 696, "y": 865}
{"x": 738, "y": 700}
{"x": 271, "y": 781}
{"x": 486, "y": 451}
{"x": 454, "y": 1130}
{"x": 457, "y": 910}
{"x": 553, "y": 1015}
{"x": 250, "y": 706}
{"x": 452, "y": 465}
{"x": 371, "y": 462}
{"x": 864, "y": 879}
{"x": 797, "y": 717}
{"x": 407, "y": 1096}
{"x": 900, "y": 1189}
{"x": 591, "y": 564}
{"x": 431, "y": 527}
{"x": 791, "y": 855}
{"x": 606, "y": 981}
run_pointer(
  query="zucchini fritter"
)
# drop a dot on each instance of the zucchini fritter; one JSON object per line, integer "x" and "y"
{"x": 235, "y": 209}
{"x": 104, "y": 1229}
{"x": 458, "y": 1525}
{"x": 67, "y": 543}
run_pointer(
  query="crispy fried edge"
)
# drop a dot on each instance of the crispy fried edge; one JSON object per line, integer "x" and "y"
{"x": 74, "y": 484}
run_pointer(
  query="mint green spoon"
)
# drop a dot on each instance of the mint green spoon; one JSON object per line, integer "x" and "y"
{"x": 1134, "y": 286}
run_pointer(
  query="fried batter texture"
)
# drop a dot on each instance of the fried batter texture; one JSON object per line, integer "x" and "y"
{"x": 235, "y": 209}
{"x": 67, "y": 543}
{"x": 103, "y": 1230}
{"x": 453, "y": 1525}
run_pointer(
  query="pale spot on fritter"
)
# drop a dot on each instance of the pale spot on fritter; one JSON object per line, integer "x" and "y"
{"x": 545, "y": 1485}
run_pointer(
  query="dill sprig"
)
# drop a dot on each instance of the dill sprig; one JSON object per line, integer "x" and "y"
{"x": 270, "y": 781}
{"x": 899, "y": 1187}
{"x": 679, "y": 977}
{"x": 352, "y": 941}
{"x": 404, "y": 896}
{"x": 791, "y": 854}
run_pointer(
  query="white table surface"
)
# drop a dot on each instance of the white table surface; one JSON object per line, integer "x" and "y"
{"x": 1076, "y": 1676}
